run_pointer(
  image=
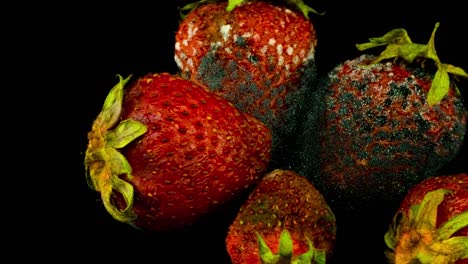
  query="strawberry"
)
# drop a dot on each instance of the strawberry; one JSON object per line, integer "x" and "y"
{"x": 298, "y": 4}
{"x": 284, "y": 217}
{"x": 379, "y": 124}
{"x": 164, "y": 152}
{"x": 431, "y": 224}
{"x": 259, "y": 56}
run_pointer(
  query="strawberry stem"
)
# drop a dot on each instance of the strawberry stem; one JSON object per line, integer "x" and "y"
{"x": 400, "y": 45}
{"x": 103, "y": 162}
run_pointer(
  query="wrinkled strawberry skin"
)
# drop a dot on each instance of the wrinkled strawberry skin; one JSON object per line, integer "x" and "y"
{"x": 282, "y": 200}
{"x": 198, "y": 153}
{"x": 371, "y": 135}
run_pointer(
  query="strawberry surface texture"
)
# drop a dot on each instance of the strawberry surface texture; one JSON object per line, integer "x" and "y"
{"x": 259, "y": 56}
{"x": 212, "y": 96}
{"x": 283, "y": 200}
{"x": 431, "y": 224}
{"x": 165, "y": 152}
{"x": 371, "y": 134}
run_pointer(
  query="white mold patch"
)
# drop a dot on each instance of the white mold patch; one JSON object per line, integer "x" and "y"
{"x": 311, "y": 53}
{"x": 280, "y": 60}
{"x": 271, "y": 41}
{"x": 247, "y": 35}
{"x": 279, "y": 49}
{"x": 228, "y": 50}
{"x": 190, "y": 63}
{"x": 225, "y": 31}
{"x": 296, "y": 59}
{"x": 178, "y": 61}
{"x": 191, "y": 31}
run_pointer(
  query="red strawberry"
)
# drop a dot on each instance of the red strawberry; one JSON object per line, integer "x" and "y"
{"x": 165, "y": 152}
{"x": 376, "y": 126}
{"x": 431, "y": 224}
{"x": 283, "y": 208}
{"x": 259, "y": 56}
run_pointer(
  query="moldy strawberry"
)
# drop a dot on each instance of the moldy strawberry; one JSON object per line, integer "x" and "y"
{"x": 259, "y": 56}
{"x": 379, "y": 124}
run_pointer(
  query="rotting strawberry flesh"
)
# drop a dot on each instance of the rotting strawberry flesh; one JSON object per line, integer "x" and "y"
{"x": 259, "y": 56}
{"x": 379, "y": 124}
{"x": 431, "y": 224}
{"x": 165, "y": 152}
{"x": 283, "y": 201}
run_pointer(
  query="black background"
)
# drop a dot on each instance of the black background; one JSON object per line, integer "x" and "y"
{"x": 85, "y": 45}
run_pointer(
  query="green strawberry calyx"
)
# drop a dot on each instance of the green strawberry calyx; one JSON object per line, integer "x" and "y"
{"x": 184, "y": 10}
{"x": 103, "y": 162}
{"x": 400, "y": 45}
{"x": 305, "y": 9}
{"x": 285, "y": 252}
{"x": 415, "y": 238}
{"x": 299, "y": 4}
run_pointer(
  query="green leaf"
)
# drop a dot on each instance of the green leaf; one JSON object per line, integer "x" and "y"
{"x": 265, "y": 253}
{"x": 461, "y": 243}
{"x": 427, "y": 214}
{"x": 232, "y": 4}
{"x": 456, "y": 223}
{"x": 127, "y": 131}
{"x": 390, "y": 237}
{"x": 285, "y": 245}
{"x": 320, "y": 257}
{"x": 411, "y": 51}
{"x": 458, "y": 247}
{"x": 396, "y": 36}
{"x": 126, "y": 189}
{"x": 368, "y": 45}
{"x": 391, "y": 51}
{"x": 92, "y": 175}
{"x": 400, "y": 45}
{"x": 103, "y": 163}
{"x": 305, "y": 9}
{"x": 455, "y": 70}
{"x": 117, "y": 162}
{"x": 306, "y": 258}
{"x": 439, "y": 87}
{"x": 431, "y": 50}
{"x": 112, "y": 107}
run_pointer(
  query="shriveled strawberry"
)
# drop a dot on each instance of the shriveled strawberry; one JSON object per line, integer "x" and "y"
{"x": 288, "y": 217}
{"x": 378, "y": 126}
{"x": 164, "y": 152}
{"x": 259, "y": 56}
{"x": 431, "y": 224}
